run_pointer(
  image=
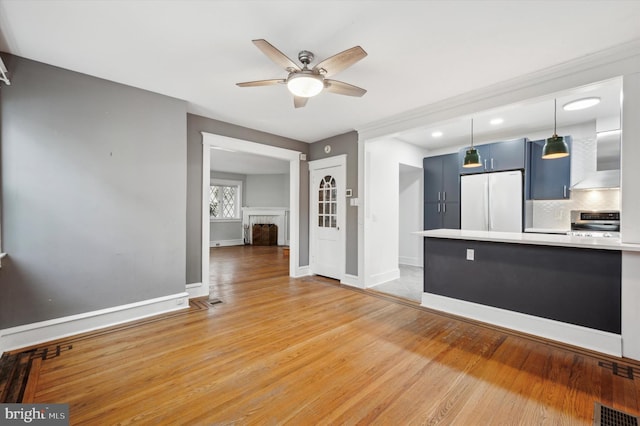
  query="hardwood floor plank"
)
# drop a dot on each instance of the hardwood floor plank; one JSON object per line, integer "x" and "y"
{"x": 308, "y": 351}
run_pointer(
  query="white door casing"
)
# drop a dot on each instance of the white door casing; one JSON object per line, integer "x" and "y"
{"x": 327, "y": 216}
{"x": 209, "y": 140}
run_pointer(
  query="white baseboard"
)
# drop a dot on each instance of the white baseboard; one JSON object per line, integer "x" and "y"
{"x": 596, "y": 340}
{"x": 351, "y": 280}
{"x": 302, "y": 271}
{"x": 32, "y": 334}
{"x": 410, "y": 261}
{"x": 197, "y": 290}
{"x": 382, "y": 277}
{"x": 225, "y": 243}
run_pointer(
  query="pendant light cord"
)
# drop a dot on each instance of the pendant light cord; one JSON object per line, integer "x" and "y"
{"x": 472, "y": 133}
{"x": 555, "y": 117}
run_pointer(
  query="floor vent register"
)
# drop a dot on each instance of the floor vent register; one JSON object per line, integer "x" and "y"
{"x": 607, "y": 416}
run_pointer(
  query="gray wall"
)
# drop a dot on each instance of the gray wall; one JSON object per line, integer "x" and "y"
{"x": 346, "y": 143}
{"x": 93, "y": 179}
{"x": 267, "y": 191}
{"x": 197, "y": 124}
{"x": 221, "y": 231}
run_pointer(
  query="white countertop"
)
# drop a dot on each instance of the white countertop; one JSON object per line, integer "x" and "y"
{"x": 546, "y": 230}
{"x": 532, "y": 238}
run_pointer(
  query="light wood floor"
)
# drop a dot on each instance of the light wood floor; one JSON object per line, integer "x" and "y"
{"x": 307, "y": 351}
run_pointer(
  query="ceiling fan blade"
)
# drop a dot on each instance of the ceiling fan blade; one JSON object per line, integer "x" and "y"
{"x": 275, "y": 55}
{"x": 261, "y": 83}
{"x": 299, "y": 101}
{"x": 341, "y": 61}
{"x": 342, "y": 88}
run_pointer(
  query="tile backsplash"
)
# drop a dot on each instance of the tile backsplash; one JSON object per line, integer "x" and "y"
{"x": 555, "y": 214}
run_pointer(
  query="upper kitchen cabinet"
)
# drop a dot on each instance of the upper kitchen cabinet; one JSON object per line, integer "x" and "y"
{"x": 496, "y": 157}
{"x": 441, "y": 192}
{"x": 441, "y": 178}
{"x": 548, "y": 179}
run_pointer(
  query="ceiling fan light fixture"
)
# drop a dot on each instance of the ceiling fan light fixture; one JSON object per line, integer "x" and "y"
{"x": 305, "y": 85}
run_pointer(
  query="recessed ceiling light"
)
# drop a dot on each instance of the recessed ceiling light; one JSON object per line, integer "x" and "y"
{"x": 581, "y": 104}
{"x": 436, "y": 134}
{"x": 496, "y": 121}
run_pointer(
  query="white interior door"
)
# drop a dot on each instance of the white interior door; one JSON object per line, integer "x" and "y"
{"x": 327, "y": 221}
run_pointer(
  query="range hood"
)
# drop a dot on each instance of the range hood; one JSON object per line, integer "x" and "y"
{"x": 607, "y": 174}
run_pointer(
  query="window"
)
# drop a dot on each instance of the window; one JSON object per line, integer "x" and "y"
{"x": 327, "y": 203}
{"x": 225, "y": 198}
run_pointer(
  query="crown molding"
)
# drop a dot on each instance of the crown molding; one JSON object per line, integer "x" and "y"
{"x": 602, "y": 65}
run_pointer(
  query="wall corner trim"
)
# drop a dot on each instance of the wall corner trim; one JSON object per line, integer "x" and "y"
{"x": 44, "y": 331}
{"x": 351, "y": 280}
{"x": 383, "y": 277}
{"x": 196, "y": 290}
{"x": 302, "y": 271}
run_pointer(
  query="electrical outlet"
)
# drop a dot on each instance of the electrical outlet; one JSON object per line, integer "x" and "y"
{"x": 471, "y": 254}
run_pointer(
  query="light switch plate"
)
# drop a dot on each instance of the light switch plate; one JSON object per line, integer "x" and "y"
{"x": 471, "y": 254}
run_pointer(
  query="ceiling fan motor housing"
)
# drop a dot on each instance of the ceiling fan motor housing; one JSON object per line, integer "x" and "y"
{"x": 305, "y": 57}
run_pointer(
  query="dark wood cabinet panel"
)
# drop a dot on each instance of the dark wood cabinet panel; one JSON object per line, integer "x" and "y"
{"x": 441, "y": 192}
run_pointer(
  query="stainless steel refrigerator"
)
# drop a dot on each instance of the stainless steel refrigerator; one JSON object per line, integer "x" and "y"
{"x": 491, "y": 201}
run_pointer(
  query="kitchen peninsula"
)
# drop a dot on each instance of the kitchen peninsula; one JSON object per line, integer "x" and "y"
{"x": 559, "y": 287}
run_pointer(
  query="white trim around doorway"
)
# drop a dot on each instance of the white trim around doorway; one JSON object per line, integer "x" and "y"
{"x": 293, "y": 157}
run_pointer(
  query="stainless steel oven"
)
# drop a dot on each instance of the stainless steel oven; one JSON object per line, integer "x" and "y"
{"x": 589, "y": 223}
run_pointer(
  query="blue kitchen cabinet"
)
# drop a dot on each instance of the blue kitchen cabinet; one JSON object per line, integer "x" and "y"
{"x": 497, "y": 157}
{"x": 441, "y": 192}
{"x": 548, "y": 179}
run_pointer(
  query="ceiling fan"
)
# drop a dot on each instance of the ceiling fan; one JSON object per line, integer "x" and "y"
{"x": 303, "y": 82}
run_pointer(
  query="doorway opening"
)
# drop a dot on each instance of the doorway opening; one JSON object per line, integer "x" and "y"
{"x": 238, "y": 147}
{"x": 409, "y": 285}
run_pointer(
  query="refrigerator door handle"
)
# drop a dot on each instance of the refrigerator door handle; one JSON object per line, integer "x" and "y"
{"x": 444, "y": 208}
{"x": 438, "y": 207}
{"x": 444, "y": 195}
{"x": 438, "y": 195}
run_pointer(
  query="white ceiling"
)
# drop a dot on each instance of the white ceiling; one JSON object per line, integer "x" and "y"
{"x": 420, "y": 52}
{"x": 524, "y": 119}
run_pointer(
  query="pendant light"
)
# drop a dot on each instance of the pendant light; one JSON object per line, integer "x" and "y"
{"x": 471, "y": 158}
{"x": 555, "y": 146}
